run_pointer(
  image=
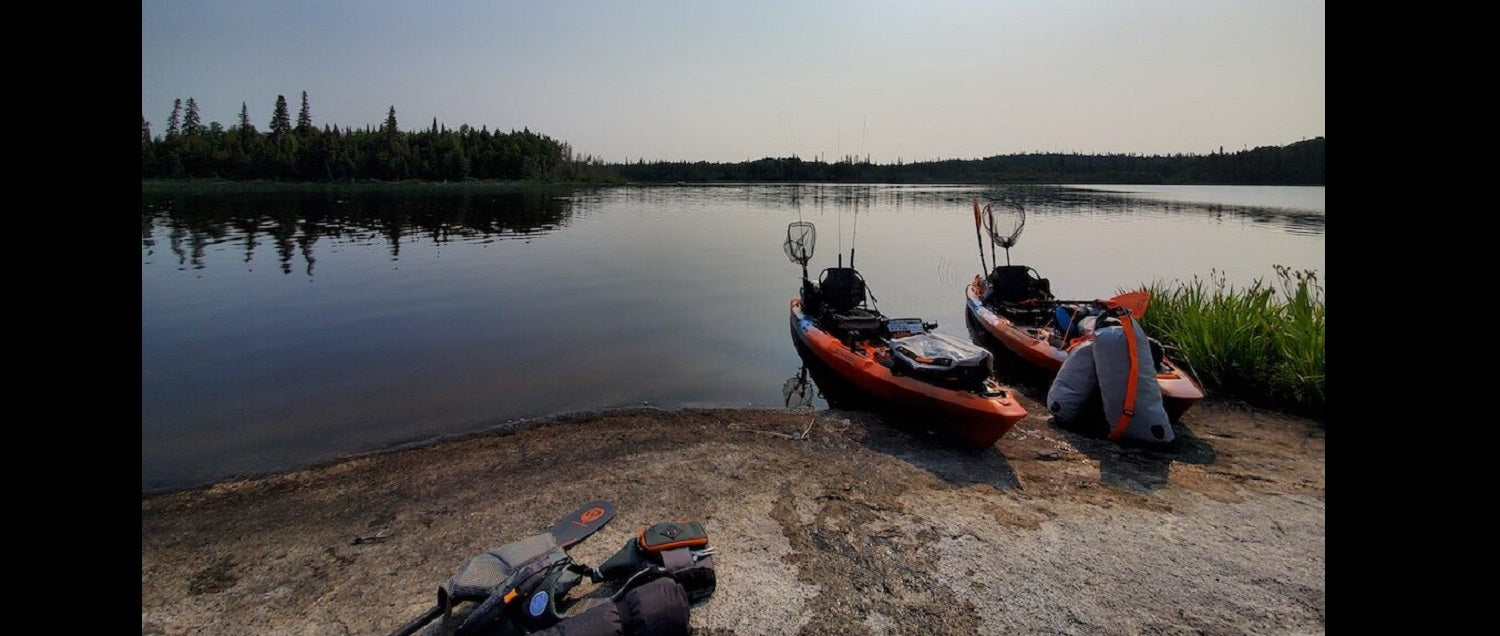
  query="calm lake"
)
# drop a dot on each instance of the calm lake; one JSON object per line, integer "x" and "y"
{"x": 281, "y": 328}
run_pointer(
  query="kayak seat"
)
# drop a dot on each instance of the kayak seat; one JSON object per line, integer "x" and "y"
{"x": 1015, "y": 283}
{"x": 841, "y": 289}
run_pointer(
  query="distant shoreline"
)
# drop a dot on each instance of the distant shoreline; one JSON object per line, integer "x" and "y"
{"x": 335, "y": 155}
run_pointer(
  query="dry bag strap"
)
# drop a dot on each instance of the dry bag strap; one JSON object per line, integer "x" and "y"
{"x": 677, "y": 558}
{"x": 1130, "y": 384}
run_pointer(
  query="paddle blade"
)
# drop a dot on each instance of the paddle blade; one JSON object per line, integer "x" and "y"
{"x": 1135, "y": 302}
{"x": 579, "y": 524}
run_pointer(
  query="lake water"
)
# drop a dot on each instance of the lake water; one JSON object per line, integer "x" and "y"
{"x": 280, "y": 329}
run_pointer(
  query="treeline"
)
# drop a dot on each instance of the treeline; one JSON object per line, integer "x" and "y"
{"x": 1300, "y": 163}
{"x": 301, "y": 151}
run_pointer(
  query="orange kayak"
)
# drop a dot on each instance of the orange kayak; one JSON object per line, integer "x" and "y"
{"x": 1031, "y": 340}
{"x": 980, "y": 418}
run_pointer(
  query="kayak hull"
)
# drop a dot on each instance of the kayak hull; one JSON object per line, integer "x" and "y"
{"x": 978, "y": 419}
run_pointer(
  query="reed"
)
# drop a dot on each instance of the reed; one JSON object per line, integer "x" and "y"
{"x": 1262, "y": 343}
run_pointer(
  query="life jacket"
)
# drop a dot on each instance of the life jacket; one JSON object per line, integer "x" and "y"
{"x": 522, "y": 588}
{"x": 676, "y": 549}
{"x": 656, "y": 607}
{"x": 516, "y": 586}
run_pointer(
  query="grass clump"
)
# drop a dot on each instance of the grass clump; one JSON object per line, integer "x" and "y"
{"x": 1262, "y": 343}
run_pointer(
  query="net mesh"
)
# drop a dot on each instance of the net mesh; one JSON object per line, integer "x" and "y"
{"x": 800, "y": 239}
{"x": 1005, "y": 223}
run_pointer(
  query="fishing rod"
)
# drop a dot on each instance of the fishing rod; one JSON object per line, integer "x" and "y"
{"x": 840, "y": 252}
{"x": 979, "y": 238}
{"x": 990, "y": 210}
{"x": 855, "y": 236}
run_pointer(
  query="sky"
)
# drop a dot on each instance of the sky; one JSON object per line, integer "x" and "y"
{"x": 741, "y": 80}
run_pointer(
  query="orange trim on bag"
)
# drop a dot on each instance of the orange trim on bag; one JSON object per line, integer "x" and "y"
{"x": 1129, "y": 408}
{"x": 668, "y": 546}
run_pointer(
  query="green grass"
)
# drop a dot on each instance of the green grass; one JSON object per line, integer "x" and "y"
{"x": 1262, "y": 343}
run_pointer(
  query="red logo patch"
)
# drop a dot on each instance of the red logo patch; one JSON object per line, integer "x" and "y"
{"x": 591, "y": 514}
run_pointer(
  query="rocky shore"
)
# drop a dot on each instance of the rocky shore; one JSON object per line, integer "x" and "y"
{"x": 825, "y": 522}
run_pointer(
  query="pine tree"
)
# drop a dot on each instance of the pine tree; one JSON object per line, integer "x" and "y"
{"x": 281, "y": 120}
{"x": 247, "y": 129}
{"x": 192, "y": 124}
{"x": 390, "y": 122}
{"x": 148, "y": 150}
{"x": 304, "y": 117}
{"x": 174, "y": 121}
{"x": 395, "y": 155}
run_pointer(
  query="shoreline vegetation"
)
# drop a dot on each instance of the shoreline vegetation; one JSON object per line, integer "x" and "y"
{"x": 1262, "y": 343}
{"x": 303, "y": 151}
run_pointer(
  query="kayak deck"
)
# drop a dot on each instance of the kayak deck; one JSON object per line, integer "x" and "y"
{"x": 980, "y": 418}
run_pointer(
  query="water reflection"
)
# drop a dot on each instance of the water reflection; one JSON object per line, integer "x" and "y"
{"x": 1300, "y": 213}
{"x": 797, "y": 392}
{"x": 1298, "y": 210}
{"x": 296, "y": 219}
{"x": 281, "y": 328}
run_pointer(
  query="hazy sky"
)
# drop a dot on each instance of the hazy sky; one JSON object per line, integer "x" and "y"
{"x": 741, "y": 80}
